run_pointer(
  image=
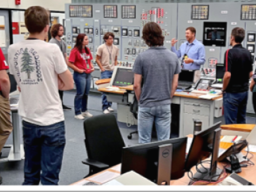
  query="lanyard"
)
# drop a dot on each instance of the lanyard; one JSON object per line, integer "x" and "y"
{"x": 186, "y": 51}
{"x": 110, "y": 54}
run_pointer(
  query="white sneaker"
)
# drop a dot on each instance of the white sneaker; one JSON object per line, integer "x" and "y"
{"x": 80, "y": 116}
{"x": 86, "y": 114}
{"x": 110, "y": 109}
{"x": 106, "y": 111}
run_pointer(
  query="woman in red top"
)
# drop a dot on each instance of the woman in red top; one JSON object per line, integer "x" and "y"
{"x": 80, "y": 61}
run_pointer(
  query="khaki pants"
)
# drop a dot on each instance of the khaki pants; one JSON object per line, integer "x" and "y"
{"x": 5, "y": 122}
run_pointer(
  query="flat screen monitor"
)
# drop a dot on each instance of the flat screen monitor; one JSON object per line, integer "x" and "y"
{"x": 214, "y": 34}
{"x": 204, "y": 144}
{"x": 220, "y": 70}
{"x": 201, "y": 146}
{"x": 123, "y": 77}
{"x": 187, "y": 76}
{"x": 143, "y": 159}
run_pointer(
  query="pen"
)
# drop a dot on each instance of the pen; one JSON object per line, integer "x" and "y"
{"x": 233, "y": 140}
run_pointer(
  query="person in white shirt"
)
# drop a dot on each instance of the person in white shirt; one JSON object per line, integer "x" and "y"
{"x": 40, "y": 71}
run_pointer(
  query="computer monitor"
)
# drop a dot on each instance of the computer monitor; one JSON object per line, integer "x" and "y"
{"x": 204, "y": 144}
{"x": 122, "y": 76}
{"x": 143, "y": 158}
{"x": 215, "y": 34}
{"x": 220, "y": 70}
{"x": 187, "y": 76}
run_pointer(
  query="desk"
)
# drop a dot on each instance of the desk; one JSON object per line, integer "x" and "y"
{"x": 238, "y": 127}
{"x": 247, "y": 172}
{"x": 17, "y": 151}
{"x": 189, "y": 104}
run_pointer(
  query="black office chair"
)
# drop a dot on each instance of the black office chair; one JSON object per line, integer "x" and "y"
{"x": 134, "y": 110}
{"x": 103, "y": 142}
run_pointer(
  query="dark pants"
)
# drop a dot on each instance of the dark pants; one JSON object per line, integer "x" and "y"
{"x": 44, "y": 146}
{"x": 83, "y": 85}
{"x": 254, "y": 101}
{"x": 235, "y": 107}
{"x": 105, "y": 103}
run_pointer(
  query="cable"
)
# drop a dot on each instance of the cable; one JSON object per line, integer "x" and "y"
{"x": 220, "y": 180}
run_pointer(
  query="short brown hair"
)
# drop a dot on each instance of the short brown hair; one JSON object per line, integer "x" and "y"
{"x": 55, "y": 29}
{"x": 36, "y": 19}
{"x": 238, "y": 33}
{"x": 192, "y": 29}
{"x": 152, "y": 34}
{"x": 106, "y": 36}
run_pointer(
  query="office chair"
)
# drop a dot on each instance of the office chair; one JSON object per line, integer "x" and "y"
{"x": 103, "y": 142}
{"x": 134, "y": 111}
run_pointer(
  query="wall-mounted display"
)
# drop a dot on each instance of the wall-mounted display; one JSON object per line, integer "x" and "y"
{"x": 128, "y": 12}
{"x": 248, "y": 12}
{"x": 80, "y": 11}
{"x": 110, "y": 11}
{"x": 214, "y": 33}
{"x": 251, "y": 37}
{"x": 200, "y": 12}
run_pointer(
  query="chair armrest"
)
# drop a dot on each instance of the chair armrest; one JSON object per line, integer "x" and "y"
{"x": 95, "y": 163}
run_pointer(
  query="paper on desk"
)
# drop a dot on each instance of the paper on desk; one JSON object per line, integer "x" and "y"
{"x": 207, "y": 96}
{"x": 252, "y": 148}
{"x": 104, "y": 177}
{"x": 113, "y": 182}
{"x": 189, "y": 142}
{"x": 229, "y": 181}
{"x": 117, "y": 168}
{"x": 228, "y": 139}
{"x": 82, "y": 182}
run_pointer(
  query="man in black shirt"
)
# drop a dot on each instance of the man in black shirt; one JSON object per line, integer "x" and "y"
{"x": 238, "y": 70}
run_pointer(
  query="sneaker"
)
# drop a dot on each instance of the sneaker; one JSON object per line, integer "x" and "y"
{"x": 110, "y": 109}
{"x": 106, "y": 111}
{"x": 86, "y": 114}
{"x": 80, "y": 116}
{"x": 65, "y": 107}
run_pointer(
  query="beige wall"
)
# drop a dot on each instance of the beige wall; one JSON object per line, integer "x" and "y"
{"x": 54, "y": 5}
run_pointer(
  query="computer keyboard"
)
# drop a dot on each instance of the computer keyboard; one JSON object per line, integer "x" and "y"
{"x": 217, "y": 85}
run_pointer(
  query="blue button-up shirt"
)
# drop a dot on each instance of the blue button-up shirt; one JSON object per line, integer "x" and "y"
{"x": 195, "y": 51}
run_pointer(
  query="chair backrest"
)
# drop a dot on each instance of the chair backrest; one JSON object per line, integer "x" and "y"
{"x": 103, "y": 139}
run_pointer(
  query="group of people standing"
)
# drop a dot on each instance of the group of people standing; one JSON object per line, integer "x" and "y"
{"x": 41, "y": 71}
{"x": 80, "y": 61}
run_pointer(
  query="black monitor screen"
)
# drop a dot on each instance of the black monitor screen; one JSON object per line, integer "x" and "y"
{"x": 220, "y": 70}
{"x": 124, "y": 77}
{"x": 215, "y": 33}
{"x": 186, "y": 75}
{"x": 201, "y": 146}
{"x": 143, "y": 159}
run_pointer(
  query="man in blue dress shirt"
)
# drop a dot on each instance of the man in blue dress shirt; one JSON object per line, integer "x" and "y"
{"x": 191, "y": 52}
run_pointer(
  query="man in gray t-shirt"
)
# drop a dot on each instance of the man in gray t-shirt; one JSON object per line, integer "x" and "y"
{"x": 57, "y": 32}
{"x": 159, "y": 68}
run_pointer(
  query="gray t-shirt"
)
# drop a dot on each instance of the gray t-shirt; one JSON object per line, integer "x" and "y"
{"x": 61, "y": 44}
{"x": 157, "y": 65}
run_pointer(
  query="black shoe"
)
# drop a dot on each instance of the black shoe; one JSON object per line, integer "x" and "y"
{"x": 65, "y": 107}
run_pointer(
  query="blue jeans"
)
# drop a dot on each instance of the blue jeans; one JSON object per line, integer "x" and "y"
{"x": 44, "y": 146}
{"x": 83, "y": 85}
{"x": 235, "y": 107}
{"x": 105, "y": 103}
{"x": 161, "y": 115}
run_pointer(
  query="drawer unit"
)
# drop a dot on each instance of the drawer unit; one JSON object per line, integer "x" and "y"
{"x": 197, "y": 108}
